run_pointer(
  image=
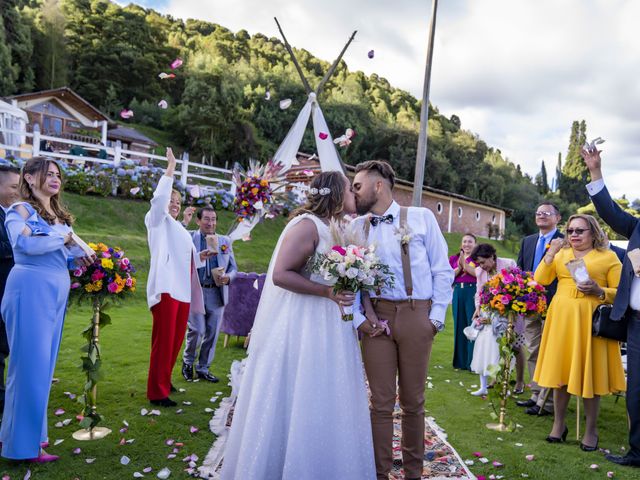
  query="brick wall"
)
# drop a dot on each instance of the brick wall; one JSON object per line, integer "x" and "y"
{"x": 465, "y": 216}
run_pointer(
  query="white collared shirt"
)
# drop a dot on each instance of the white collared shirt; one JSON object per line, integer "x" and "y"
{"x": 431, "y": 273}
{"x": 594, "y": 188}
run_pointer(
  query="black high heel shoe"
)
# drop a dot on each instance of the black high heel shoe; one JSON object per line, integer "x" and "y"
{"x": 562, "y": 439}
{"x": 587, "y": 448}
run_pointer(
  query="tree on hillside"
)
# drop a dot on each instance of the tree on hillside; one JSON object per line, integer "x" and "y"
{"x": 18, "y": 38}
{"x": 541, "y": 180}
{"x": 50, "y": 46}
{"x": 7, "y": 85}
{"x": 575, "y": 174}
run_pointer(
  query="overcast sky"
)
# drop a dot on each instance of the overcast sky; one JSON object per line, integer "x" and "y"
{"x": 516, "y": 72}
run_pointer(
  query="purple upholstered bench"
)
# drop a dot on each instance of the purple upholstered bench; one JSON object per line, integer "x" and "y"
{"x": 240, "y": 312}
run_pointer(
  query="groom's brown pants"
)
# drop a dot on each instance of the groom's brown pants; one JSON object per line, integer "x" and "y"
{"x": 405, "y": 355}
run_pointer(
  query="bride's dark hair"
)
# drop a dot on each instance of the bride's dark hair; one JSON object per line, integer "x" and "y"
{"x": 330, "y": 204}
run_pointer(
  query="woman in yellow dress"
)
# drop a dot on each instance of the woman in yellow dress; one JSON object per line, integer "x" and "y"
{"x": 571, "y": 360}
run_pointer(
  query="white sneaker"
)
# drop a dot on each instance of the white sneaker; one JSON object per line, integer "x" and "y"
{"x": 480, "y": 392}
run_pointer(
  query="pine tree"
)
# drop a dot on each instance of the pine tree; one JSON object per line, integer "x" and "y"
{"x": 7, "y": 85}
{"x": 575, "y": 174}
{"x": 542, "y": 183}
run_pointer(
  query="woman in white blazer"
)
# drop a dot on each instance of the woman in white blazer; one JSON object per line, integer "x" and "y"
{"x": 172, "y": 287}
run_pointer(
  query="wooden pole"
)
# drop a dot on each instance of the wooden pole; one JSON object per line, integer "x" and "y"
{"x": 421, "y": 156}
{"x": 307, "y": 87}
{"x": 333, "y": 67}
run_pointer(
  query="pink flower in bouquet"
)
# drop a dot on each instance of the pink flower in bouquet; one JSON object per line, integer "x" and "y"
{"x": 339, "y": 249}
{"x": 97, "y": 275}
{"x": 106, "y": 255}
{"x": 78, "y": 272}
{"x": 129, "y": 282}
{"x": 506, "y": 299}
{"x": 124, "y": 263}
{"x": 532, "y": 306}
{"x": 75, "y": 285}
{"x": 507, "y": 277}
{"x": 113, "y": 287}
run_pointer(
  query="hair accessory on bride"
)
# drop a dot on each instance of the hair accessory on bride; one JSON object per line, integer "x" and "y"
{"x": 323, "y": 191}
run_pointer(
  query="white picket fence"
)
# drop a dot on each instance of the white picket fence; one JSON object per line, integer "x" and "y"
{"x": 190, "y": 173}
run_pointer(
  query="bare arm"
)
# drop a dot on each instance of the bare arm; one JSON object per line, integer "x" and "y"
{"x": 298, "y": 245}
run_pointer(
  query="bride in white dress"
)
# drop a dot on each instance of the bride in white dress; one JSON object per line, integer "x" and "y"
{"x": 302, "y": 410}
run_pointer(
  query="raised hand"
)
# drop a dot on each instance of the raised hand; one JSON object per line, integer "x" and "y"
{"x": 554, "y": 247}
{"x": 594, "y": 163}
{"x": 171, "y": 163}
{"x": 187, "y": 215}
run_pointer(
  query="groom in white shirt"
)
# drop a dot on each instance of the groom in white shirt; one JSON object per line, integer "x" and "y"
{"x": 405, "y": 318}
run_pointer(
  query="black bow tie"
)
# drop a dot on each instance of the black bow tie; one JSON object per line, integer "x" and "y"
{"x": 375, "y": 221}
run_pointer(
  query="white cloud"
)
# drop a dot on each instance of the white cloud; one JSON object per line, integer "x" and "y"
{"x": 516, "y": 72}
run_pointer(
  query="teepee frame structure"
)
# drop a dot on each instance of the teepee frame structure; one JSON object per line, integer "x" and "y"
{"x": 287, "y": 152}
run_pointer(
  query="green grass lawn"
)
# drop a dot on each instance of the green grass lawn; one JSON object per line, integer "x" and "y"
{"x": 125, "y": 349}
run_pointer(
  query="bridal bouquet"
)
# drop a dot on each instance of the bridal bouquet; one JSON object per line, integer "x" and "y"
{"x": 351, "y": 264}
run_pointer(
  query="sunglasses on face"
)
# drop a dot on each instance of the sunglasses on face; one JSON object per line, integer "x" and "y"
{"x": 577, "y": 231}
{"x": 544, "y": 214}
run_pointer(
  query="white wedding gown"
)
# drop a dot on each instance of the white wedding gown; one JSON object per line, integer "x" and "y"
{"x": 302, "y": 410}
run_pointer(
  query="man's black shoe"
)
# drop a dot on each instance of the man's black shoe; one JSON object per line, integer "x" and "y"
{"x": 535, "y": 410}
{"x": 208, "y": 377}
{"x": 187, "y": 372}
{"x": 525, "y": 403}
{"x": 164, "y": 402}
{"x": 623, "y": 460}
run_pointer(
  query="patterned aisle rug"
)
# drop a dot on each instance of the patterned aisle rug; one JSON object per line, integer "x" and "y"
{"x": 441, "y": 461}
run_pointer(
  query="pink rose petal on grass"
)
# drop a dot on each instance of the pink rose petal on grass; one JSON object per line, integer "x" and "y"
{"x": 58, "y": 412}
{"x": 477, "y": 454}
{"x": 177, "y": 63}
{"x": 170, "y": 441}
{"x": 193, "y": 429}
{"x": 594, "y": 466}
{"x": 497, "y": 464}
{"x": 147, "y": 469}
{"x": 610, "y": 474}
{"x": 530, "y": 457}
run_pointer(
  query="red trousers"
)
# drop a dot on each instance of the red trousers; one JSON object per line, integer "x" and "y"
{"x": 169, "y": 326}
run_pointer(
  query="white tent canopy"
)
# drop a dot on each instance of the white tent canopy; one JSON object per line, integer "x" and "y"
{"x": 288, "y": 150}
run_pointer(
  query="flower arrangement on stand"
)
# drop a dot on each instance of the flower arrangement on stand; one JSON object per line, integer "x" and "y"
{"x": 255, "y": 189}
{"x": 351, "y": 264}
{"x": 109, "y": 279}
{"x": 508, "y": 296}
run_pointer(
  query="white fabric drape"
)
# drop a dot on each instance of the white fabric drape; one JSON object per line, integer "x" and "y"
{"x": 288, "y": 150}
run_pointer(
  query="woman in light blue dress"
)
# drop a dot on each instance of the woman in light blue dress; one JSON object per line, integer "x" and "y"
{"x": 34, "y": 306}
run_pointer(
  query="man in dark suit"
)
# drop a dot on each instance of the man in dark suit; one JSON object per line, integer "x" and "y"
{"x": 532, "y": 249}
{"x": 627, "y": 302}
{"x": 9, "y": 194}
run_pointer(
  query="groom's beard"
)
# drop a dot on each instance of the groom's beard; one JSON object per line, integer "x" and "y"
{"x": 364, "y": 205}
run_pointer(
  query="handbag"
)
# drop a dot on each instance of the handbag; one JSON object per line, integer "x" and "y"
{"x": 603, "y": 326}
